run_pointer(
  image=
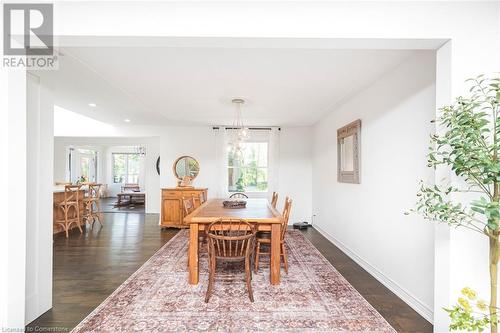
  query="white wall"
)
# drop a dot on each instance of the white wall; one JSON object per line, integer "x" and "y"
{"x": 198, "y": 142}
{"x": 106, "y": 146}
{"x": 295, "y": 172}
{"x": 367, "y": 220}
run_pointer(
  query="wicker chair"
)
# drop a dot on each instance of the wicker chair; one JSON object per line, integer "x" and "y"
{"x": 71, "y": 200}
{"x": 92, "y": 204}
{"x": 232, "y": 241}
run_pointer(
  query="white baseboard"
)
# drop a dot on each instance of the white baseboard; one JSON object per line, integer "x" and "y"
{"x": 31, "y": 308}
{"x": 35, "y": 307}
{"x": 421, "y": 308}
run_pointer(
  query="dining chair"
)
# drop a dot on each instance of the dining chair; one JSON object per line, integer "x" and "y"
{"x": 70, "y": 204}
{"x": 265, "y": 239}
{"x": 274, "y": 200}
{"x": 202, "y": 197}
{"x": 230, "y": 240}
{"x": 238, "y": 195}
{"x": 199, "y": 199}
{"x": 91, "y": 200}
{"x": 188, "y": 204}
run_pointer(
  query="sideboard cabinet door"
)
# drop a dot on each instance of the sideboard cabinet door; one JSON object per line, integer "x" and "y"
{"x": 172, "y": 212}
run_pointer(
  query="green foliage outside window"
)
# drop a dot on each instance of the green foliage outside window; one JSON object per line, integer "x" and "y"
{"x": 248, "y": 171}
{"x": 126, "y": 168}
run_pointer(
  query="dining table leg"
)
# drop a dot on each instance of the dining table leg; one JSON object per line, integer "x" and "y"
{"x": 193, "y": 253}
{"x": 275, "y": 253}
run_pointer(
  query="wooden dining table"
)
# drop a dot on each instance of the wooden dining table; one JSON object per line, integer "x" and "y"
{"x": 258, "y": 212}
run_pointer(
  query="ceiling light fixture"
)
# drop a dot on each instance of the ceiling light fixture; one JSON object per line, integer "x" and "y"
{"x": 140, "y": 150}
{"x": 126, "y": 120}
{"x": 239, "y": 133}
{"x": 92, "y": 105}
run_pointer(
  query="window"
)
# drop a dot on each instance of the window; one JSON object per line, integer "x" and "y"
{"x": 82, "y": 164}
{"x": 126, "y": 168}
{"x": 348, "y": 153}
{"x": 249, "y": 172}
{"x": 85, "y": 167}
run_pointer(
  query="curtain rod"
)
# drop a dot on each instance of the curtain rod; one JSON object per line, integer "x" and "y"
{"x": 250, "y": 128}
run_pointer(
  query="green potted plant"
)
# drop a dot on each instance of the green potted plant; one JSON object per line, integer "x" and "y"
{"x": 469, "y": 144}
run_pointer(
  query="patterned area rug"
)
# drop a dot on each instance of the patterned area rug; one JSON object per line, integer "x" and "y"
{"x": 313, "y": 297}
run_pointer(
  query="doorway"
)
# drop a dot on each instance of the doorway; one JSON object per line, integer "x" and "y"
{"x": 82, "y": 165}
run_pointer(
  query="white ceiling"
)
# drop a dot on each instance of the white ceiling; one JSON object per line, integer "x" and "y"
{"x": 189, "y": 85}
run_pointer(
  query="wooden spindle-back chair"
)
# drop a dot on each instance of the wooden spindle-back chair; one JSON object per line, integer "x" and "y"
{"x": 233, "y": 241}
{"x": 274, "y": 200}
{"x": 202, "y": 197}
{"x": 199, "y": 199}
{"x": 265, "y": 238}
{"x": 286, "y": 216}
{"x": 238, "y": 195}
{"x": 188, "y": 205}
{"x": 71, "y": 202}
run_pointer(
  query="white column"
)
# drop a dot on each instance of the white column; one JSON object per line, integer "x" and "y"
{"x": 40, "y": 166}
{"x": 441, "y": 231}
{"x": 13, "y": 201}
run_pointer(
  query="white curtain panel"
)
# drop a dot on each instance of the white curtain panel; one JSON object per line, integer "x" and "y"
{"x": 274, "y": 161}
{"x": 221, "y": 142}
{"x": 142, "y": 171}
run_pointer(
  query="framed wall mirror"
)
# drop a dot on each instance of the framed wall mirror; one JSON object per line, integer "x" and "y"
{"x": 186, "y": 168}
{"x": 348, "y": 144}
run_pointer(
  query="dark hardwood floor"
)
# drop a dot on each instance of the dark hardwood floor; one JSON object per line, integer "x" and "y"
{"x": 88, "y": 267}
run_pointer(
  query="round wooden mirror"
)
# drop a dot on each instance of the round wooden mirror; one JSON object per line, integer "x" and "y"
{"x": 186, "y": 166}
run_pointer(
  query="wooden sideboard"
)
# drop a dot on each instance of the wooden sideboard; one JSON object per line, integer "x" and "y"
{"x": 172, "y": 212}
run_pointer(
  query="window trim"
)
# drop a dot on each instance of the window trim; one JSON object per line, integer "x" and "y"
{"x": 126, "y": 175}
{"x": 352, "y": 129}
{"x": 72, "y": 152}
